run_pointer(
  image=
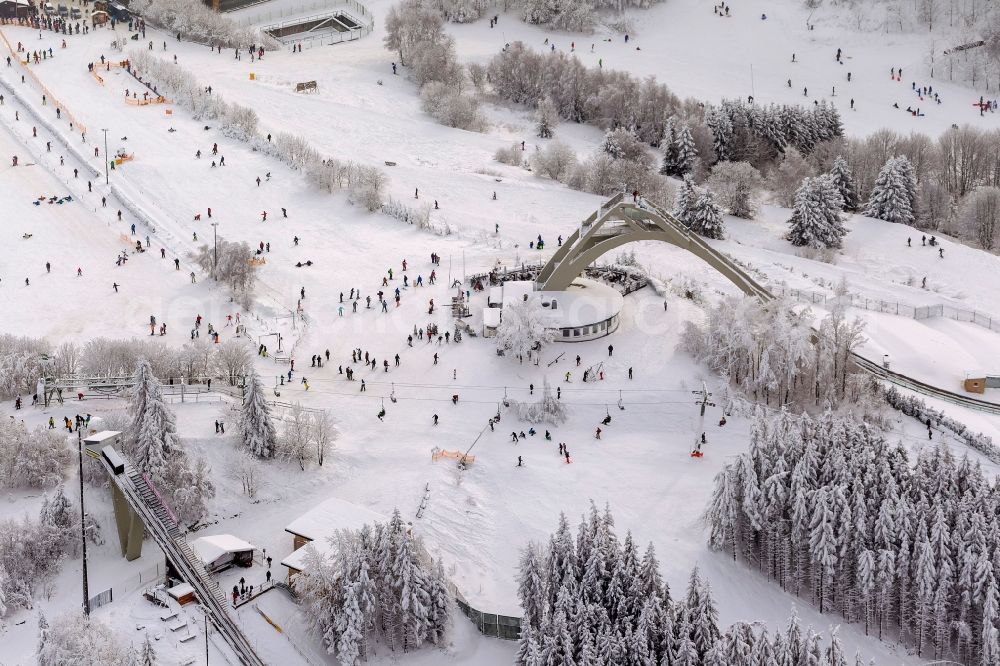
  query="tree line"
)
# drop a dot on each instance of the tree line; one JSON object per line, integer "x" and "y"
{"x": 376, "y": 586}
{"x": 594, "y": 599}
{"x": 832, "y": 512}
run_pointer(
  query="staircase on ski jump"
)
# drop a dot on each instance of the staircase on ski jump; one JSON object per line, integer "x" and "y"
{"x": 137, "y": 504}
{"x": 619, "y": 221}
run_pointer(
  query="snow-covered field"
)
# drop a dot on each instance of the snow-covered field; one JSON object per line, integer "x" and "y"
{"x": 476, "y": 520}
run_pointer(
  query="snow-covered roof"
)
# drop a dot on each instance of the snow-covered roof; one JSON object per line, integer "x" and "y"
{"x": 334, "y": 514}
{"x": 515, "y": 291}
{"x": 99, "y": 437}
{"x": 209, "y": 548}
{"x": 182, "y": 590}
{"x": 321, "y": 522}
{"x": 496, "y": 296}
{"x": 491, "y": 317}
{"x": 583, "y": 303}
{"x": 298, "y": 558}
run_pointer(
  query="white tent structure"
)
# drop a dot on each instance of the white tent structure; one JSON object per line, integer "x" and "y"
{"x": 222, "y": 551}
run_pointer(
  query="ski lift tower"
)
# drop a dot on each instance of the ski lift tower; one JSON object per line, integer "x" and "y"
{"x": 703, "y": 396}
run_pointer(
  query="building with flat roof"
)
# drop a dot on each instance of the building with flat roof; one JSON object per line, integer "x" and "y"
{"x": 586, "y": 310}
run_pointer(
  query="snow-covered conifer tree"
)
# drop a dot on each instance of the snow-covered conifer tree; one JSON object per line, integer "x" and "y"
{"x": 815, "y": 220}
{"x": 722, "y": 133}
{"x": 684, "y": 201}
{"x": 893, "y": 197}
{"x": 529, "y": 653}
{"x": 144, "y": 381}
{"x": 686, "y": 150}
{"x": 531, "y": 587}
{"x": 558, "y": 646}
{"x": 409, "y": 584}
{"x": 844, "y": 180}
{"x": 145, "y": 655}
{"x": 156, "y": 442}
{"x": 835, "y": 651}
{"x": 704, "y": 617}
{"x": 669, "y": 145}
{"x": 3, "y": 595}
{"x": 686, "y": 652}
{"x": 350, "y": 628}
{"x": 706, "y": 218}
{"x": 546, "y": 118}
{"x": 256, "y": 427}
{"x": 679, "y": 151}
{"x": 439, "y": 604}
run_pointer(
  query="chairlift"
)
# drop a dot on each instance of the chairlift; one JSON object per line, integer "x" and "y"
{"x": 621, "y": 405}
{"x": 392, "y": 395}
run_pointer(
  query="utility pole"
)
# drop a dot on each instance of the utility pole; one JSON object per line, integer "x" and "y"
{"x": 83, "y": 525}
{"x": 107, "y": 180}
{"x": 206, "y": 638}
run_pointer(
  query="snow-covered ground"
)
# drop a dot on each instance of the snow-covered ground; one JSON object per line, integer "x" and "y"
{"x": 478, "y": 519}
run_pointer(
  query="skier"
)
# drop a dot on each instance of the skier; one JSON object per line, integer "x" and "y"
{"x": 598, "y": 433}
{"x": 435, "y": 419}
{"x": 520, "y": 462}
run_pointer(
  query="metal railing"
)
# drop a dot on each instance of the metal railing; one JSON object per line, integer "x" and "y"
{"x": 918, "y": 312}
{"x": 265, "y": 18}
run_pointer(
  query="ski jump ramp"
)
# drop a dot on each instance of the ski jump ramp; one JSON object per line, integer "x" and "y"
{"x": 137, "y": 506}
{"x": 619, "y": 221}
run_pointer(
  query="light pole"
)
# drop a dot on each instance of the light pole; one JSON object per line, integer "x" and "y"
{"x": 215, "y": 243}
{"x": 83, "y": 525}
{"x": 106, "y": 178}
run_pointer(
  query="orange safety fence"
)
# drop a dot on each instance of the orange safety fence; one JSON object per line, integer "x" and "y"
{"x": 146, "y": 102}
{"x": 97, "y": 76}
{"x": 48, "y": 93}
{"x": 452, "y": 455}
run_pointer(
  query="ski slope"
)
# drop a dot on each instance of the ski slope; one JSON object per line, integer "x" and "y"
{"x": 477, "y": 519}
